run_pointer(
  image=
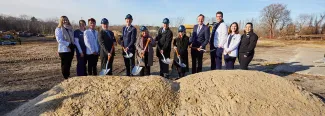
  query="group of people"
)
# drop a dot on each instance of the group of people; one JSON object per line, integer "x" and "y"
{"x": 90, "y": 44}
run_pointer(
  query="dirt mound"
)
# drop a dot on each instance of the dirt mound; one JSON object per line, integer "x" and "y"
{"x": 209, "y": 93}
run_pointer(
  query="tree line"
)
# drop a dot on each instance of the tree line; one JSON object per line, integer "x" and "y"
{"x": 275, "y": 21}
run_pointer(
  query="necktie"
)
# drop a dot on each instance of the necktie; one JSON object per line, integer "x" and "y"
{"x": 199, "y": 29}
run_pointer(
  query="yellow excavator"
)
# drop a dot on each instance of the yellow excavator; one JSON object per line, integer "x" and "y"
{"x": 189, "y": 28}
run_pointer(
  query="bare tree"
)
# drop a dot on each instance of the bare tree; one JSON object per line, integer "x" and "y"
{"x": 275, "y": 16}
{"x": 302, "y": 21}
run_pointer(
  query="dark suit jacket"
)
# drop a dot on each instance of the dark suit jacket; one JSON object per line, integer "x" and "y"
{"x": 129, "y": 38}
{"x": 201, "y": 38}
{"x": 105, "y": 42}
{"x": 164, "y": 42}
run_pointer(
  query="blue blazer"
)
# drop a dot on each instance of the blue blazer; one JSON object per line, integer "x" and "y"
{"x": 201, "y": 38}
{"x": 129, "y": 38}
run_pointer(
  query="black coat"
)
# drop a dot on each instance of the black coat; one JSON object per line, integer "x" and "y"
{"x": 106, "y": 42}
{"x": 182, "y": 48}
{"x": 248, "y": 43}
{"x": 164, "y": 42}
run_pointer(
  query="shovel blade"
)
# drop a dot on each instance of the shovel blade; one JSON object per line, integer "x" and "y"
{"x": 104, "y": 72}
{"x": 136, "y": 70}
{"x": 128, "y": 56}
{"x": 166, "y": 61}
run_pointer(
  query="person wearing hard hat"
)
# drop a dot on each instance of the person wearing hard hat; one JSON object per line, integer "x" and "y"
{"x": 81, "y": 48}
{"x": 164, "y": 38}
{"x": 146, "y": 51}
{"x": 181, "y": 44}
{"x": 91, "y": 42}
{"x": 199, "y": 39}
{"x": 106, "y": 41}
{"x": 129, "y": 34}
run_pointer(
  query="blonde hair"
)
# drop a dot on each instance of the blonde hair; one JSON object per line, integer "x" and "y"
{"x": 61, "y": 21}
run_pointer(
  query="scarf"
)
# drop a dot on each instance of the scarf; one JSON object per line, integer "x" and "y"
{"x": 67, "y": 33}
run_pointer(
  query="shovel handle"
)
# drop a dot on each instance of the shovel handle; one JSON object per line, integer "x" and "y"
{"x": 176, "y": 52}
{"x": 145, "y": 48}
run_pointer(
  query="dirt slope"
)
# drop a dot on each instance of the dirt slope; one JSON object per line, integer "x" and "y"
{"x": 209, "y": 93}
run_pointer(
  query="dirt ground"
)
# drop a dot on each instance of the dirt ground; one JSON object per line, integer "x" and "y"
{"x": 32, "y": 68}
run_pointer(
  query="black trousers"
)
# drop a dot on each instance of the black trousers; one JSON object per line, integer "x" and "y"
{"x": 92, "y": 64}
{"x": 230, "y": 62}
{"x": 146, "y": 69}
{"x": 110, "y": 63}
{"x": 66, "y": 60}
{"x": 164, "y": 68}
{"x": 197, "y": 57}
{"x": 213, "y": 57}
{"x": 129, "y": 64}
{"x": 181, "y": 71}
{"x": 244, "y": 61}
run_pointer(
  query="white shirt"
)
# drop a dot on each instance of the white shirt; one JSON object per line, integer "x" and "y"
{"x": 91, "y": 41}
{"x": 63, "y": 44}
{"x": 220, "y": 36}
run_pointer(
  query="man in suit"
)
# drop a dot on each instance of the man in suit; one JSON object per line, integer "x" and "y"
{"x": 200, "y": 38}
{"x": 164, "y": 38}
{"x": 106, "y": 41}
{"x": 129, "y": 34}
{"x": 217, "y": 41}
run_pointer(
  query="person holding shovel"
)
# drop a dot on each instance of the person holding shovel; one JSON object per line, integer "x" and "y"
{"x": 66, "y": 45}
{"x": 231, "y": 47}
{"x": 200, "y": 38}
{"x": 164, "y": 38}
{"x": 181, "y": 54}
{"x": 106, "y": 41}
{"x": 144, "y": 46}
{"x": 129, "y": 34}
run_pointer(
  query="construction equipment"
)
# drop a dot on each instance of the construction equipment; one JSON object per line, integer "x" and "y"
{"x": 179, "y": 60}
{"x": 136, "y": 69}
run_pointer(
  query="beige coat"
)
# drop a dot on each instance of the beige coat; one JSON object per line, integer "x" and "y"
{"x": 140, "y": 46}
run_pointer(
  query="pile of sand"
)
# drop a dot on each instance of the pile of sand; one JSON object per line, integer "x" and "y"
{"x": 209, "y": 93}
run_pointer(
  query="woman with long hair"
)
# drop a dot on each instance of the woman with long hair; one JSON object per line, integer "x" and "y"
{"x": 65, "y": 38}
{"x": 231, "y": 46}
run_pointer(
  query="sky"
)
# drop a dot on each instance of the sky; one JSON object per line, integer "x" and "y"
{"x": 152, "y": 12}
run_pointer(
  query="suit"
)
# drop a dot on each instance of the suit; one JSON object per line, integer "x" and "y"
{"x": 106, "y": 41}
{"x": 128, "y": 39}
{"x": 231, "y": 46}
{"x": 200, "y": 37}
